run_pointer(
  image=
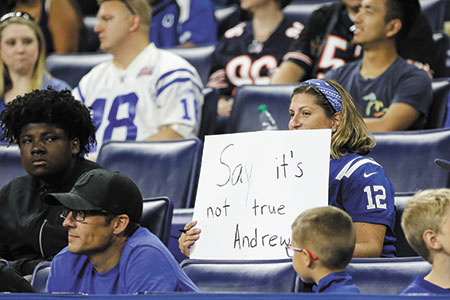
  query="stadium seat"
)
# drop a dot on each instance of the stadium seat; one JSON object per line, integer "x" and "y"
{"x": 245, "y": 116}
{"x": 159, "y": 168}
{"x": 199, "y": 57}
{"x": 39, "y": 276}
{"x": 442, "y": 42}
{"x": 226, "y": 18}
{"x": 386, "y": 275}
{"x": 92, "y": 41}
{"x": 72, "y": 67}
{"x": 237, "y": 276}
{"x": 403, "y": 249}
{"x": 301, "y": 10}
{"x": 407, "y": 157}
{"x": 10, "y": 164}
{"x": 438, "y": 109}
{"x": 209, "y": 112}
{"x": 157, "y": 217}
{"x": 435, "y": 12}
{"x": 181, "y": 216}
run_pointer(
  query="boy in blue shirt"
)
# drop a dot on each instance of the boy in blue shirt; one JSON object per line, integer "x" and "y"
{"x": 323, "y": 241}
{"x": 426, "y": 225}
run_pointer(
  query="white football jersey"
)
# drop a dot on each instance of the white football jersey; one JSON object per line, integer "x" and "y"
{"x": 157, "y": 89}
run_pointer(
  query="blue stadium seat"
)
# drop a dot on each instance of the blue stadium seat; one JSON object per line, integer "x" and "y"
{"x": 199, "y": 57}
{"x": 39, "y": 276}
{"x": 407, "y": 157}
{"x": 403, "y": 249}
{"x": 157, "y": 217}
{"x": 72, "y": 67}
{"x": 10, "y": 164}
{"x": 434, "y": 10}
{"x": 300, "y": 10}
{"x": 245, "y": 116}
{"x": 442, "y": 42}
{"x": 159, "y": 168}
{"x": 386, "y": 275}
{"x": 237, "y": 276}
{"x": 181, "y": 216}
{"x": 438, "y": 109}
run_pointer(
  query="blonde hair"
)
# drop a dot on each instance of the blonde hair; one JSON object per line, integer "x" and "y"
{"x": 39, "y": 67}
{"x": 140, "y": 7}
{"x": 426, "y": 210}
{"x": 329, "y": 232}
{"x": 352, "y": 135}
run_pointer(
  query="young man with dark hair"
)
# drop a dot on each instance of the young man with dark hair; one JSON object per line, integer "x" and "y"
{"x": 53, "y": 131}
{"x": 390, "y": 93}
{"x": 108, "y": 252}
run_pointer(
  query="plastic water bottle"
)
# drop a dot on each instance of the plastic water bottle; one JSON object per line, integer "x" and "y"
{"x": 265, "y": 119}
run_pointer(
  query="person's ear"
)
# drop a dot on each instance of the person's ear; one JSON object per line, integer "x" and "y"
{"x": 75, "y": 146}
{"x": 431, "y": 239}
{"x": 393, "y": 27}
{"x": 308, "y": 259}
{"x": 120, "y": 224}
{"x": 336, "y": 121}
{"x": 135, "y": 23}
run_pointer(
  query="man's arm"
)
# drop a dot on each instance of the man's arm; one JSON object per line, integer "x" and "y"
{"x": 288, "y": 72}
{"x": 400, "y": 116}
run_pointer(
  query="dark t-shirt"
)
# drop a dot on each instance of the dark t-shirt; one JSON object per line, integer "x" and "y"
{"x": 30, "y": 229}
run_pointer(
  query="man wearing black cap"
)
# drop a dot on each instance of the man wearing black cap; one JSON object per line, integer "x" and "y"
{"x": 108, "y": 252}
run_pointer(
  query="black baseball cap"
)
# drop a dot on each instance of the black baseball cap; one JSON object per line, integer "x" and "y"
{"x": 442, "y": 163}
{"x": 101, "y": 189}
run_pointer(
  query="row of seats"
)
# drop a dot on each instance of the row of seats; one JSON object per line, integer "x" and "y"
{"x": 371, "y": 275}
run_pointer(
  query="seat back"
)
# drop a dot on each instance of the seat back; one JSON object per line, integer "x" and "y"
{"x": 386, "y": 275}
{"x": 40, "y": 276}
{"x": 10, "y": 164}
{"x": 301, "y": 10}
{"x": 402, "y": 247}
{"x": 407, "y": 157}
{"x": 209, "y": 112}
{"x": 162, "y": 168}
{"x": 434, "y": 10}
{"x": 438, "y": 109}
{"x": 199, "y": 57}
{"x": 72, "y": 67}
{"x": 245, "y": 115}
{"x": 442, "y": 44}
{"x": 234, "y": 276}
{"x": 157, "y": 217}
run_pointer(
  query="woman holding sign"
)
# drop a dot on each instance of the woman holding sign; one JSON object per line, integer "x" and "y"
{"x": 357, "y": 184}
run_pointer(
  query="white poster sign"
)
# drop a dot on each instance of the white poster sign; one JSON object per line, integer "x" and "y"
{"x": 251, "y": 188}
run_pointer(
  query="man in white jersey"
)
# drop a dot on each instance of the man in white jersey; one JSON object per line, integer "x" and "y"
{"x": 143, "y": 93}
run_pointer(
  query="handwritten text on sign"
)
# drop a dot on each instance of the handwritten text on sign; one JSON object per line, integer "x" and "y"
{"x": 253, "y": 185}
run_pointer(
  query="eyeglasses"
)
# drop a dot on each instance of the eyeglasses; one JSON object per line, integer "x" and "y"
{"x": 128, "y": 6}
{"x": 291, "y": 250}
{"x": 80, "y": 215}
{"x": 18, "y": 14}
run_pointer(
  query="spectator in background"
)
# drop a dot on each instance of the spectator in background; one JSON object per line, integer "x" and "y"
{"x": 53, "y": 131}
{"x": 248, "y": 52}
{"x": 108, "y": 251}
{"x": 182, "y": 23}
{"x": 426, "y": 224}
{"x": 355, "y": 181}
{"x": 61, "y": 22}
{"x": 323, "y": 241}
{"x": 326, "y": 43}
{"x": 390, "y": 93}
{"x": 22, "y": 58}
{"x": 143, "y": 92}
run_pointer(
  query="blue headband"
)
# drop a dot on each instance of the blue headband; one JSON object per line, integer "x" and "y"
{"x": 328, "y": 91}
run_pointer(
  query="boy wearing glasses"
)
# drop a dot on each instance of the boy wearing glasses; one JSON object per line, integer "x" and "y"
{"x": 53, "y": 131}
{"x": 323, "y": 240}
{"x": 108, "y": 252}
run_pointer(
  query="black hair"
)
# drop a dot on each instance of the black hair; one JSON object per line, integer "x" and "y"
{"x": 284, "y": 3}
{"x": 407, "y": 11}
{"x": 58, "y": 108}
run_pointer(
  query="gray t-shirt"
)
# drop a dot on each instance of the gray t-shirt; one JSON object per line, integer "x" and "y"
{"x": 401, "y": 82}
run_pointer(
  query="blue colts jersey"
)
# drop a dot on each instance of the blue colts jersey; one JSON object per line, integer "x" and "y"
{"x": 359, "y": 186}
